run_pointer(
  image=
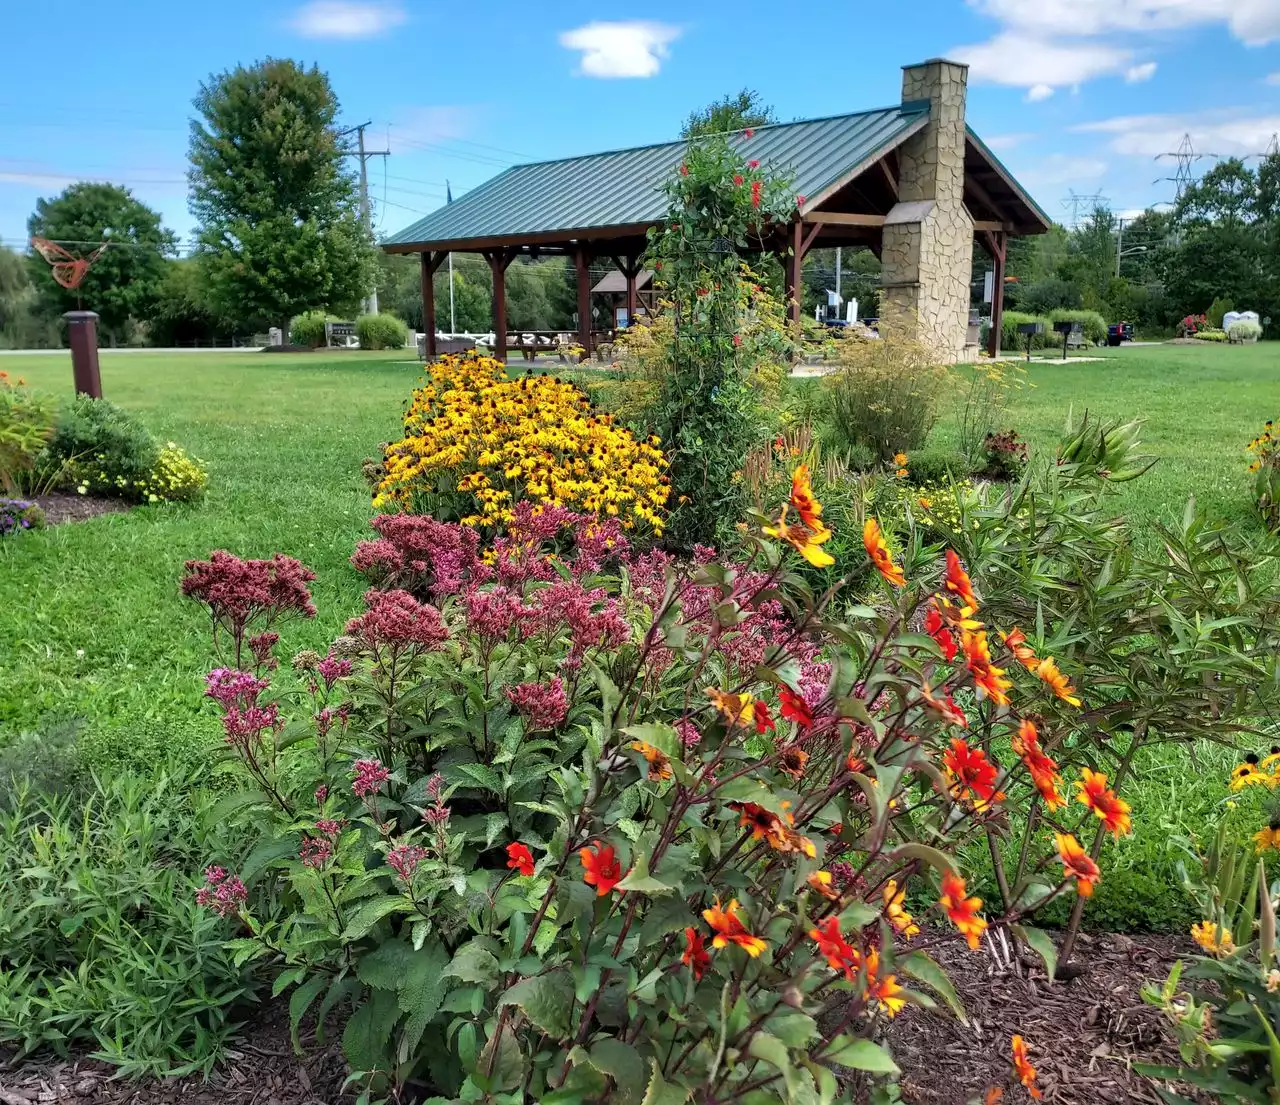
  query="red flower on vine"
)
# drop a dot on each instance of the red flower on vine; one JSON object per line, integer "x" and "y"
{"x": 756, "y": 187}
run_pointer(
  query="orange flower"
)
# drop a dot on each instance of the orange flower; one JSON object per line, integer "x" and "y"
{"x": 695, "y": 955}
{"x": 1026, "y": 1072}
{"x": 1016, "y": 642}
{"x": 760, "y": 711}
{"x": 893, "y": 908}
{"x": 834, "y": 948}
{"x": 988, "y": 678}
{"x": 773, "y": 829}
{"x": 937, "y": 629}
{"x": 809, "y": 509}
{"x": 600, "y": 868}
{"x": 944, "y": 709}
{"x": 736, "y": 709}
{"x": 1111, "y": 810}
{"x": 1044, "y": 772}
{"x": 957, "y": 583}
{"x": 1048, "y": 671}
{"x": 1077, "y": 864}
{"x": 953, "y": 616}
{"x": 884, "y": 990}
{"x": 659, "y": 761}
{"x": 876, "y": 548}
{"x": 729, "y": 929}
{"x": 972, "y": 775}
{"x": 520, "y": 858}
{"x": 792, "y": 761}
{"x": 794, "y": 708}
{"x": 821, "y": 882}
{"x": 962, "y": 911}
{"x": 807, "y": 542}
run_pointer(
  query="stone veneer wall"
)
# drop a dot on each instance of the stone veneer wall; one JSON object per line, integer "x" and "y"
{"x": 927, "y": 246}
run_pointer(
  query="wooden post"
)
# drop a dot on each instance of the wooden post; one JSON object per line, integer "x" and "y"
{"x": 581, "y": 262}
{"x": 800, "y": 243}
{"x": 429, "y": 266}
{"x": 498, "y": 260}
{"x": 82, "y": 336}
{"x": 629, "y": 266}
{"x": 997, "y": 244}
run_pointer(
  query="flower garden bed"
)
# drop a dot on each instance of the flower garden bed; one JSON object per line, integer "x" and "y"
{"x": 64, "y": 506}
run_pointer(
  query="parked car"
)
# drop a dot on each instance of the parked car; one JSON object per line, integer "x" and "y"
{"x": 1118, "y": 332}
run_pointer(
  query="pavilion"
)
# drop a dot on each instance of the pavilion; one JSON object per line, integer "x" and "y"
{"x": 912, "y": 182}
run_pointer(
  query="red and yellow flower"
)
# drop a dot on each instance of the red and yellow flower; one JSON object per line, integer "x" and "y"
{"x": 774, "y": 829}
{"x": 1061, "y": 686}
{"x": 729, "y": 929}
{"x": 809, "y": 534}
{"x": 1021, "y": 1064}
{"x": 520, "y": 858}
{"x": 971, "y": 775}
{"x": 873, "y": 541}
{"x": 883, "y": 990}
{"x": 1016, "y": 642}
{"x": 736, "y": 709}
{"x": 987, "y": 678}
{"x": 1077, "y": 864}
{"x": 834, "y": 948}
{"x": 943, "y": 708}
{"x": 809, "y": 509}
{"x": 962, "y": 911}
{"x": 695, "y": 956}
{"x": 1110, "y": 809}
{"x": 894, "y": 910}
{"x": 794, "y": 707}
{"x": 600, "y": 868}
{"x": 659, "y": 762}
{"x": 957, "y": 583}
{"x": 938, "y": 629}
{"x": 822, "y": 882}
{"x": 760, "y": 714}
{"x": 1043, "y": 770}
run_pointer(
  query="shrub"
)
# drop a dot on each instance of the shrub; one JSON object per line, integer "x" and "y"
{"x": 17, "y": 515}
{"x": 986, "y": 388}
{"x": 884, "y": 394}
{"x": 1266, "y": 469}
{"x": 308, "y": 329}
{"x": 105, "y": 449}
{"x": 1011, "y": 340}
{"x": 1210, "y": 335}
{"x": 176, "y": 477}
{"x": 1188, "y": 326}
{"x": 1092, "y": 324}
{"x": 1245, "y": 330}
{"x": 477, "y": 444}
{"x": 26, "y": 424}
{"x": 381, "y": 331}
{"x": 1217, "y": 309}
{"x": 103, "y": 944}
{"x": 935, "y": 466}
{"x": 1005, "y": 455}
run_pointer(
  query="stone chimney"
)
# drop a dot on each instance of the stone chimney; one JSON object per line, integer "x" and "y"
{"x": 927, "y": 245}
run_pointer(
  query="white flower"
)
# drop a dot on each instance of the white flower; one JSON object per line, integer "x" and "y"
{"x": 79, "y": 654}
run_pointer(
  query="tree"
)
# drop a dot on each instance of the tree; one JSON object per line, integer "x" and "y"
{"x": 746, "y": 109}
{"x": 125, "y": 279}
{"x": 182, "y": 314}
{"x": 280, "y": 230}
{"x": 14, "y": 286}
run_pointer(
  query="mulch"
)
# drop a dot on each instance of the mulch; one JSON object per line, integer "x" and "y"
{"x": 1083, "y": 1035}
{"x": 62, "y": 506}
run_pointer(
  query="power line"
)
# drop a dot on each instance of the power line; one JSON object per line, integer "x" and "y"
{"x": 1075, "y": 201}
{"x": 1185, "y": 156}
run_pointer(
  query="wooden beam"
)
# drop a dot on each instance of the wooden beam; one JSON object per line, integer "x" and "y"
{"x": 582, "y": 263}
{"x": 984, "y": 197}
{"x": 843, "y": 218}
{"x": 996, "y": 244}
{"x": 990, "y": 226}
{"x": 890, "y": 177}
{"x": 499, "y": 260}
{"x": 431, "y": 261}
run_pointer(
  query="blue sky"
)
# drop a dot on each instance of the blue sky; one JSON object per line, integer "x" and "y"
{"x": 1075, "y": 95}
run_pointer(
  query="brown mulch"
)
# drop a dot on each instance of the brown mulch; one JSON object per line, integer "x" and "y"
{"x": 1083, "y": 1035}
{"x": 260, "y": 1069}
{"x": 62, "y": 506}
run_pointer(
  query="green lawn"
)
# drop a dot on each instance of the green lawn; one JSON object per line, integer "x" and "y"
{"x": 284, "y": 436}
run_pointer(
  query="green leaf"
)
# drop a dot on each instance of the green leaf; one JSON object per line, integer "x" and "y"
{"x": 940, "y": 861}
{"x": 623, "y": 1064}
{"x": 660, "y": 736}
{"x": 365, "y": 1039}
{"x": 661, "y": 1092}
{"x": 1041, "y": 943}
{"x": 384, "y": 968}
{"x": 423, "y": 990}
{"x": 474, "y": 962}
{"x": 474, "y": 775}
{"x": 667, "y": 915}
{"x": 545, "y": 999}
{"x": 640, "y": 881}
{"x": 774, "y": 1052}
{"x": 860, "y": 1054}
{"x": 264, "y": 854}
{"x": 796, "y": 1030}
{"x": 300, "y": 1001}
{"x": 503, "y": 1057}
{"x": 920, "y": 966}
{"x": 371, "y": 913}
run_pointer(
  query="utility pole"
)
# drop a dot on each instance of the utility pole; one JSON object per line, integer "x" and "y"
{"x": 1119, "y": 245}
{"x": 366, "y": 212}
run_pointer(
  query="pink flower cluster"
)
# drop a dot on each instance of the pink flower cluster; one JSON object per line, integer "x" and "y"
{"x": 543, "y": 705}
{"x": 315, "y": 851}
{"x": 421, "y": 555}
{"x": 369, "y": 777}
{"x": 594, "y": 620}
{"x": 222, "y": 892}
{"x": 404, "y": 859}
{"x": 332, "y": 668}
{"x": 230, "y": 688}
{"x": 397, "y": 620}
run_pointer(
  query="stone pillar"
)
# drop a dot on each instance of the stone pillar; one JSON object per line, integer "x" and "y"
{"x": 927, "y": 245}
{"x": 82, "y": 336}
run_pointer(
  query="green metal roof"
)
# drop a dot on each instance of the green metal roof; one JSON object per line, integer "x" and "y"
{"x": 623, "y": 187}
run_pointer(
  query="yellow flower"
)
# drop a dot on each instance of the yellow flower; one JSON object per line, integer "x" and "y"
{"x": 1213, "y": 938}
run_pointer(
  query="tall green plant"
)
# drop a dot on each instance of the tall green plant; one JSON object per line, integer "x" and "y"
{"x": 708, "y": 409}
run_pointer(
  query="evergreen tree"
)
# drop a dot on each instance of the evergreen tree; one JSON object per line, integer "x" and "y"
{"x": 280, "y": 230}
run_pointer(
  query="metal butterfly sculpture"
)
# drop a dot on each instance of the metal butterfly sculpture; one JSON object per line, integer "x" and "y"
{"x": 68, "y": 269}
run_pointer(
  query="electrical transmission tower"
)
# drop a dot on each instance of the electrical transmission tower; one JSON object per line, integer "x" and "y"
{"x": 1185, "y": 156}
{"x": 1076, "y": 202}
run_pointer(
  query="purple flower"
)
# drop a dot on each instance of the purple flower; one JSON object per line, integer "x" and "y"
{"x": 370, "y": 775}
{"x": 332, "y": 668}
{"x": 223, "y": 893}
{"x": 231, "y": 688}
{"x": 315, "y": 851}
{"x": 543, "y": 705}
{"x": 397, "y": 619}
{"x": 403, "y": 859}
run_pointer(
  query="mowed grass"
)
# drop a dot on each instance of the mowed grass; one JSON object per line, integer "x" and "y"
{"x": 92, "y": 625}
{"x": 284, "y": 437}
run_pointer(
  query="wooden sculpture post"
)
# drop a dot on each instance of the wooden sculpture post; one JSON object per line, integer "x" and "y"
{"x": 82, "y": 336}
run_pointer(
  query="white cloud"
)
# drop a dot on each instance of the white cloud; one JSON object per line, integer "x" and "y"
{"x": 1038, "y": 92}
{"x": 1136, "y": 74}
{"x": 1007, "y": 141}
{"x": 1273, "y": 78}
{"x": 1026, "y": 60}
{"x": 431, "y": 123}
{"x": 1061, "y": 168}
{"x": 1254, "y": 22}
{"x": 624, "y": 49}
{"x": 1230, "y": 132}
{"x": 347, "y": 19}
